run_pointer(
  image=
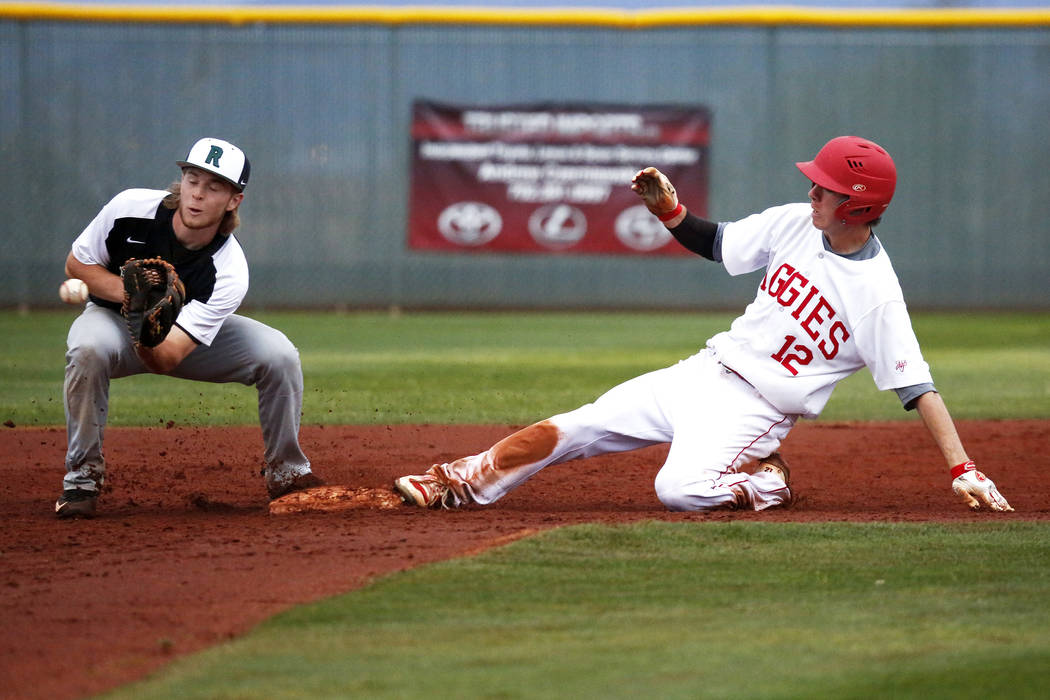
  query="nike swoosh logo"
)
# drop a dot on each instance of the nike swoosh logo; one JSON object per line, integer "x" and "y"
{"x": 130, "y": 240}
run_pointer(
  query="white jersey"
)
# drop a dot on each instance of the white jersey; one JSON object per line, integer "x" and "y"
{"x": 818, "y": 317}
{"x": 135, "y": 224}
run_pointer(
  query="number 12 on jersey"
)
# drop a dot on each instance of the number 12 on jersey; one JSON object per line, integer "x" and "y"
{"x": 802, "y": 355}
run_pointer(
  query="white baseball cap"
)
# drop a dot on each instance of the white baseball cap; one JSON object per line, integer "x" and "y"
{"x": 221, "y": 158}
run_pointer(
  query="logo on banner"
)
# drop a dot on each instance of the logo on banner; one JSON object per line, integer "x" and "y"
{"x": 550, "y": 178}
{"x": 557, "y": 226}
{"x": 639, "y": 230}
{"x": 470, "y": 223}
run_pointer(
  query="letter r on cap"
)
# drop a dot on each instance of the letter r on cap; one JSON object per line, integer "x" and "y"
{"x": 213, "y": 156}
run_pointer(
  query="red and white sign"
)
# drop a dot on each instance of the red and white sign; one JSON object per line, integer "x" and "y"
{"x": 550, "y": 178}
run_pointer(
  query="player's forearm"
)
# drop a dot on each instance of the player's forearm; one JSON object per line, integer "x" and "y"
{"x": 942, "y": 429}
{"x": 159, "y": 360}
{"x": 696, "y": 234}
{"x": 169, "y": 354}
{"x": 101, "y": 282}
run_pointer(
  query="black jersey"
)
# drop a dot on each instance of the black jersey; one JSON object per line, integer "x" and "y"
{"x": 135, "y": 224}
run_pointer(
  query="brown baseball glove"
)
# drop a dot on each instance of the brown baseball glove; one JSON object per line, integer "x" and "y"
{"x": 153, "y": 297}
{"x": 656, "y": 191}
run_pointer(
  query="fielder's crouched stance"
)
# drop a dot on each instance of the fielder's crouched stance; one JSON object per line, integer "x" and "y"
{"x": 828, "y": 305}
{"x": 165, "y": 275}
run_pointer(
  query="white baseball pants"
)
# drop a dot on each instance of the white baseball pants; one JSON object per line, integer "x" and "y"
{"x": 714, "y": 420}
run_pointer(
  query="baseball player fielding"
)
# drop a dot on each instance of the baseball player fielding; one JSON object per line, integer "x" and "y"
{"x": 167, "y": 274}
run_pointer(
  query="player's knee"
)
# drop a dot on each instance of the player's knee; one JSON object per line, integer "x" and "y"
{"x": 687, "y": 501}
{"x": 671, "y": 492}
{"x": 87, "y": 357}
{"x": 279, "y": 355}
{"x": 690, "y": 501}
{"x": 684, "y": 495}
{"x": 672, "y": 500}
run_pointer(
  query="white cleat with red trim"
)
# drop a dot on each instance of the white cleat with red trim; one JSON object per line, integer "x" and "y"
{"x": 422, "y": 490}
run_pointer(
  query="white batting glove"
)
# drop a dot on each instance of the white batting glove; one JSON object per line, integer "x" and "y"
{"x": 657, "y": 192}
{"x": 976, "y": 489}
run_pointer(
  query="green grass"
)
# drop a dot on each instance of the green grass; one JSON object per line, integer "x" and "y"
{"x": 511, "y": 367}
{"x": 670, "y": 610}
{"x": 685, "y": 610}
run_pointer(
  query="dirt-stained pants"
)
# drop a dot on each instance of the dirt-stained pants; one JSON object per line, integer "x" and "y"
{"x": 715, "y": 422}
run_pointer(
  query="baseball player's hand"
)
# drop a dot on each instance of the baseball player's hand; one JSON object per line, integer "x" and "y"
{"x": 656, "y": 191}
{"x": 976, "y": 489}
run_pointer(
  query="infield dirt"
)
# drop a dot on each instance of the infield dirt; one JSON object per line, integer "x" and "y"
{"x": 184, "y": 555}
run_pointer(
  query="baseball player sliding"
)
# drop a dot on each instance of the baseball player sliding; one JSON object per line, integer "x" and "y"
{"x": 190, "y": 226}
{"x": 828, "y": 304}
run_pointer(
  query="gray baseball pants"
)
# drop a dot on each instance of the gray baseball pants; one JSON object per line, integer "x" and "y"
{"x": 99, "y": 349}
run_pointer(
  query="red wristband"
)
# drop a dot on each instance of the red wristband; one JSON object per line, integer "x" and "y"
{"x": 671, "y": 214}
{"x": 960, "y": 469}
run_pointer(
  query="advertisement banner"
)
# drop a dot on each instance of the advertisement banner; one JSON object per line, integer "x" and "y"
{"x": 550, "y": 178}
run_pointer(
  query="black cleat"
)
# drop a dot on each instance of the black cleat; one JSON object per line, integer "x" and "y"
{"x": 75, "y": 503}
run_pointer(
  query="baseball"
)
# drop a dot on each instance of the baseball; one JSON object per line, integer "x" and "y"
{"x": 73, "y": 291}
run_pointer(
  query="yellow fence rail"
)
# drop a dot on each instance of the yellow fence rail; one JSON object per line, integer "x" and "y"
{"x": 579, "y": 17}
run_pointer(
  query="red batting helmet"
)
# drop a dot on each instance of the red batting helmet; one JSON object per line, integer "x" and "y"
{"x": 860, "y": 169}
